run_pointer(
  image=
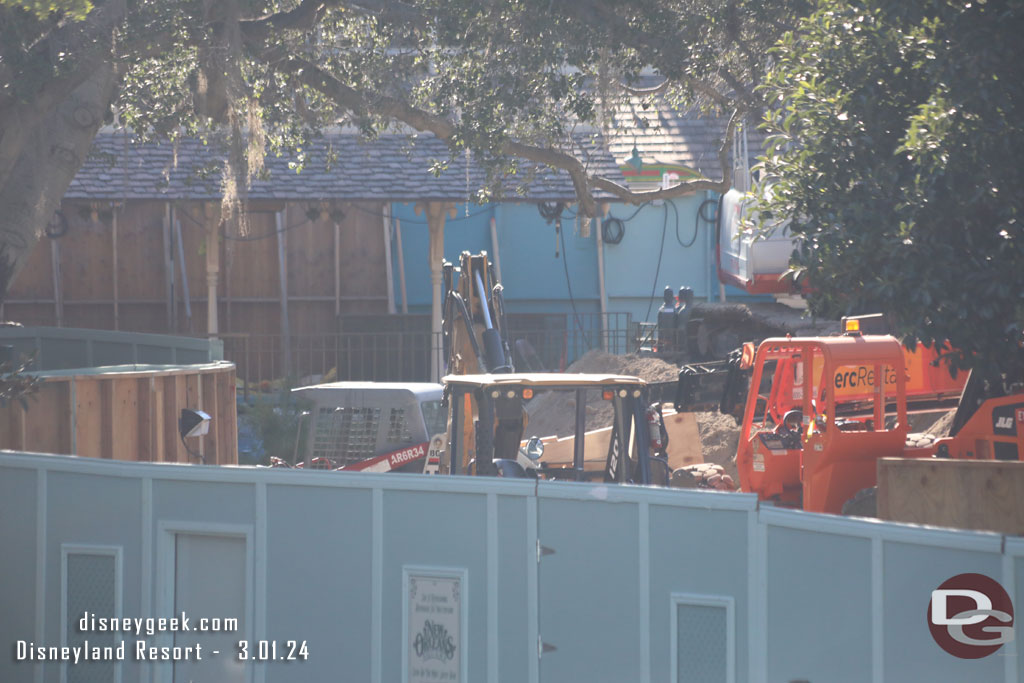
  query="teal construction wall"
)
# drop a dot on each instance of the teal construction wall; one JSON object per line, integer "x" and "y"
{"x": 560, "y": 581}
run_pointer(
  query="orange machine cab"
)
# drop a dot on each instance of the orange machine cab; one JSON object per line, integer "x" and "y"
{"x": 812, "y": 443}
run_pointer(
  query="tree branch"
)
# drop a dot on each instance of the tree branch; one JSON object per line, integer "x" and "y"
{"x": 302, "y": 17}
{"x": 354, "y": 100}
{"x": 349, "y": 98}
{"x": 92, "y": 40}
{"x": 684, "y": 188}
{"x": 642, "y": 92}
{"x": 391, "y": 10}
{"x": 362, "y": 102}
{"x": 308, "y": 14}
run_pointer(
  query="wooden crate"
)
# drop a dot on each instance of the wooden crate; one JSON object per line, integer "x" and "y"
{"x": 966, "y": 494}
{"x": 127, "y": 414}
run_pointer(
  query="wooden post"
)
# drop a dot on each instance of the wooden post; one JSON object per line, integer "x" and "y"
{"x": 58, "y": 290}
{"x": 172, "y": 314}
{"x": 435, "y": 212}
{"x": 282, "y": 268}
{"x": 388, "y": 273}
{"x": 184, "y": 276}
{"x": 113, "y": 240}
{"x": 107, "y": 417}
{"x": 172, "y": 404}
{"x": 145, "y": 392}
{"x": 337, "y": 270}
{"x": 229, "y": 252}
{"x": 211, "y": 405}
{"x": 227, "y": 449}
{"x": 212, "y": 275}
{"x": 194, "y": 400}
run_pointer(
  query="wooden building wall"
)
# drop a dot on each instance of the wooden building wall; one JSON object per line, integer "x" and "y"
{"x": 127, "y": 415}
{"x": 109, "y": 278}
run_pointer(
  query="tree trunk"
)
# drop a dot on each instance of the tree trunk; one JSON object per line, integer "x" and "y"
{"x": 48, "y": 162}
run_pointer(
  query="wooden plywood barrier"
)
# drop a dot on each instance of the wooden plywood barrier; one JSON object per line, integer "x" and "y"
{"x": 966, "y": 494}
{"x": 127, "y": 415}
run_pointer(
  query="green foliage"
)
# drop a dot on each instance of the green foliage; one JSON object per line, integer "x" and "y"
{"x": 46, "y": 9}
{"x": 897, "y": 130}
{"x": 15, "y": 384}
{"x": 502, "y": 79}
{"x": 496, "y": 72}
{"x": 278, "y": 425}
{"x": 897, "y": 147}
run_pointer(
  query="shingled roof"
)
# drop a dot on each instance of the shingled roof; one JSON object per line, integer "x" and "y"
{"x": 665, "y": 134}
{"x": 394, "y": 167}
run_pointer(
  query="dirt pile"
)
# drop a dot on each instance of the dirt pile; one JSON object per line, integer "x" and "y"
{"x": 719, "y": 437}
{"x": 555, "y": 412}
{"x": 647, "y": 368}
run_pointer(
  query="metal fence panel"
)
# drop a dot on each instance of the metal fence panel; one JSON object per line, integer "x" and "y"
{"x": 398, "y": 348}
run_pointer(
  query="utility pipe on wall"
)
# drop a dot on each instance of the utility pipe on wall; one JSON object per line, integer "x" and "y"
{"x": 184, "y": 277}
{"x": 172, "y": 306}
{"x": 114, "y": 268}
{"x": 337, "y": 270}
{"x": 282, "y": 270}
{"x": 603, "y": 293}
{"x": 58, "y": 291}
{"x": 387, "y": 258}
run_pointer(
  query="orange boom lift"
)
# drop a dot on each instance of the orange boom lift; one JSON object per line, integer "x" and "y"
{"x": 820, "y": 412}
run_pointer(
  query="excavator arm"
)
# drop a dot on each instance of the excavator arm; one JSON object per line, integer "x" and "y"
{"x": 474, "y": 327}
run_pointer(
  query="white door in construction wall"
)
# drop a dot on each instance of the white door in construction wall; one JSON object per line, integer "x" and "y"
{"x": 211, "y": 582}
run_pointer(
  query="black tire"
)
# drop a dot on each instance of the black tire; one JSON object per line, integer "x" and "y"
{"x": 863, "y": 504}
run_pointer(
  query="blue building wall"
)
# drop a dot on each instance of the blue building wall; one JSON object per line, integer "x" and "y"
{"x": 535, "y": 279}
{"x": 633, "y": 274}
{"x": 634, "y": 277}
